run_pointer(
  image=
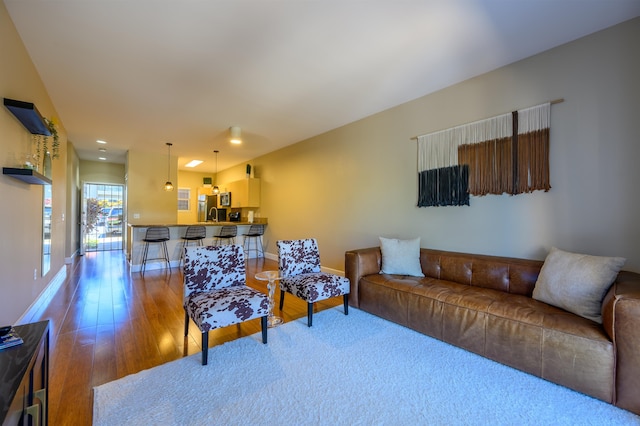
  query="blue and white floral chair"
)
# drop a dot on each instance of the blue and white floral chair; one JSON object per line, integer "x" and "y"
{"x": 216, "y": 294}
{"x": 299, "y": 267}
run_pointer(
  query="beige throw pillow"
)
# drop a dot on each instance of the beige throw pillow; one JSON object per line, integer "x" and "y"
{"x": 401, "y": 257}
{"x": 576, "y": 282}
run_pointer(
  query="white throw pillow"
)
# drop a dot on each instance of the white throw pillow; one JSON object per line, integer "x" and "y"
{"x": 576, "y": 282}
{"x": 401, "y": 257}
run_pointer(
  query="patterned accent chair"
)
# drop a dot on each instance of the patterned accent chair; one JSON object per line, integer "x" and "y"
{"x": 299, "y": 265}
{"x": 216, "y": 294}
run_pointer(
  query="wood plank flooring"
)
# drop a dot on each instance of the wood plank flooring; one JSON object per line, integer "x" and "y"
{"x": 108, "y": 322}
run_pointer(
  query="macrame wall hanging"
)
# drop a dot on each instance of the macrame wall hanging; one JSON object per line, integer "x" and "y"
{"x": 508, "y": 154}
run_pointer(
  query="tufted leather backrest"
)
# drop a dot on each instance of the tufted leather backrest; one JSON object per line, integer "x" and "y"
{"x": 297, "y": 257}
{"x": 499, "y": 273}
{"x": 213, "y": 267}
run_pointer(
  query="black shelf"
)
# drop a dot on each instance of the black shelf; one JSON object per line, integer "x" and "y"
{"x": 26, "y": 175}
{"x": 28, "y": 115}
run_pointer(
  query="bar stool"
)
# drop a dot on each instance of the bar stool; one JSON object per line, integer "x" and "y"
{"x": 254, "y": 234}
{"x": 196, "y": 234}
{"x": 160, "y": 235}
{"x": 227, "y": 234}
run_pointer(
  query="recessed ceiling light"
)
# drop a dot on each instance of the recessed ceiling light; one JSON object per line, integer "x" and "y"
{"x": 102, "y": 158}
{"x": 235, "y": 135}
{"x": 99, "y": 141}
{"x": 193, "y": 163}
{"x": 102, "y": 149}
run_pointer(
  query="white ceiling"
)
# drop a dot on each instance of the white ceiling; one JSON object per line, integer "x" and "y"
{"x": 140, "y": 73}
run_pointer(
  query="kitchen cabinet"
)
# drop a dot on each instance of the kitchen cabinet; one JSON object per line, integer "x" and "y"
{"x": 24, "y": 377}
{"x": 245, "y": 193}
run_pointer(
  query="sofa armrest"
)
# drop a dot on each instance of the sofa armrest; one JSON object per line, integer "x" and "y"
{"x": 621, "y": 321}
{"x": 358, "y": 263}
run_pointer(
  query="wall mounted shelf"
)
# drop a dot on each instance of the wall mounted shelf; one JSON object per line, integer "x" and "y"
{"x": 26, "y": 175}
{"x": 28, "y": 115}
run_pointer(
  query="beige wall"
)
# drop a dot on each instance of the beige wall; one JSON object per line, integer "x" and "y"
{"x": 145, "y": 194}
{"x": 102, "y": 172}
{"x": 351, "y": 185}
{"x": 21, "y": 211}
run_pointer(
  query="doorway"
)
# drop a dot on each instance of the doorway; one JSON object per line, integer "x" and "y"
{"x": 102, "y": 217}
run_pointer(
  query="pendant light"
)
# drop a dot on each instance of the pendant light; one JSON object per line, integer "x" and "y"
{"x": 168, "y": 186}
{"x": 216, "y": 190}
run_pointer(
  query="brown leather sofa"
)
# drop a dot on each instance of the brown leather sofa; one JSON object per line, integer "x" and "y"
{"x": 483, "y": 304}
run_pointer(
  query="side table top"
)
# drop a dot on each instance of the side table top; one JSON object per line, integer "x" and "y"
{"x": 268, "y": 275}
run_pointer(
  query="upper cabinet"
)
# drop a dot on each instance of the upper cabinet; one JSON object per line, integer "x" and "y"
{"x": 245, "y": 193}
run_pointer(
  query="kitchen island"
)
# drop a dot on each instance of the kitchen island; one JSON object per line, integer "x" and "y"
{"x": 136, "y": 234}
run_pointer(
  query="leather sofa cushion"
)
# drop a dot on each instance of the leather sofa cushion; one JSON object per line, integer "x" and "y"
{"x": 513, "y": 329}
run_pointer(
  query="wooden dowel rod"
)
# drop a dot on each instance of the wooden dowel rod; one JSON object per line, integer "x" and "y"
{"x": 553, "y": 102}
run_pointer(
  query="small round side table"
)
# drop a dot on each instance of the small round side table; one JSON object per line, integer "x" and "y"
{"x": 271, "y": 277}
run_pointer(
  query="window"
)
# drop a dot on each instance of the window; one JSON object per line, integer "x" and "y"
{"x": 184, "y": 199}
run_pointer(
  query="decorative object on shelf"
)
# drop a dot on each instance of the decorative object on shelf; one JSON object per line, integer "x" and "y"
{"x": 216, "y": 190}
{"x": 46, "y": 165}
{"x": 44, "y": 131}
{"x": 235, "y": 135}
{"x": 248, "y": 171}
{"x": 42, "y": 142}
{"x": 168, "y": 186}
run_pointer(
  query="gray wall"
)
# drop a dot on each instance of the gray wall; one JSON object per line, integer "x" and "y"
{"x": 353, "y": 184}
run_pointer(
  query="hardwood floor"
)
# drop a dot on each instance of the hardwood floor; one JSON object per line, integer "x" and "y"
{"x": 107, "y": 322}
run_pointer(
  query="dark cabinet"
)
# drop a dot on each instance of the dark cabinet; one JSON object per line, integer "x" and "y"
{"x": 24, "y": 377}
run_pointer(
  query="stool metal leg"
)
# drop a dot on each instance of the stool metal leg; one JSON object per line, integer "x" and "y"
{"x": 166, "y": 255}
{"x": 257, "y": 244}
{"x": 144, "y": 256}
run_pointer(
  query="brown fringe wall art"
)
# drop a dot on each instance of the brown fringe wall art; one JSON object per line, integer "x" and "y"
{"x": 508, "y": 154}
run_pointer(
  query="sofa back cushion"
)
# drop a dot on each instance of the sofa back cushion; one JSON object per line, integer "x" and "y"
{"x": 506, "y": 274}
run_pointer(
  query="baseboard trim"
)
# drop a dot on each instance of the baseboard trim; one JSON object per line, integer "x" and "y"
{"x": 69, "y": 260}
{"x": 38, "y": 306}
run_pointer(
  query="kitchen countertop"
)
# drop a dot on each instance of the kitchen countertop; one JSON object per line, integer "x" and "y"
{"x": 258, "y": 221}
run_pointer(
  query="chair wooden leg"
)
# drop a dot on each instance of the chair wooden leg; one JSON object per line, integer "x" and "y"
{"x": 281, "y": 299}
{"x": 346, "y": 304}
{"x": 309, "y": 314}
{"x": 265, "y": 326}
{"x": 205, "y": 347}
{"x": 186, "y": 322}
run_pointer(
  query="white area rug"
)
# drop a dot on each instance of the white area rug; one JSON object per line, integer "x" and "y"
{"x": 355, "y": 370}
